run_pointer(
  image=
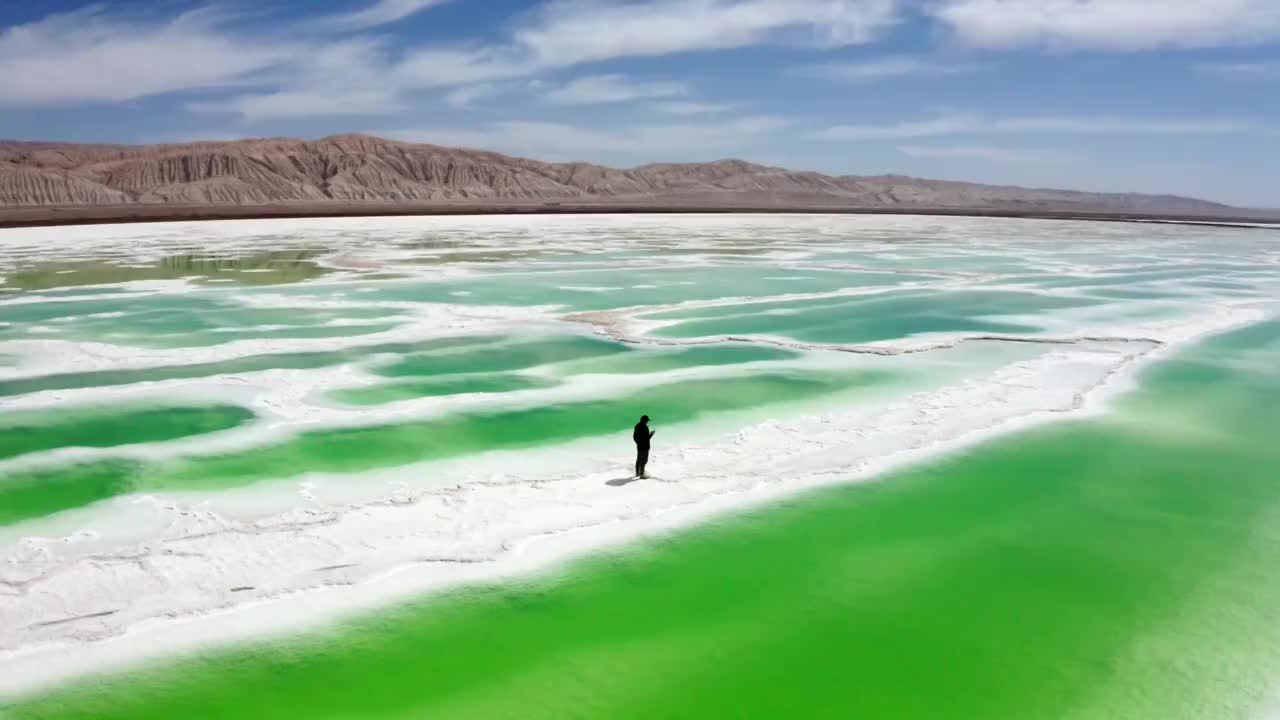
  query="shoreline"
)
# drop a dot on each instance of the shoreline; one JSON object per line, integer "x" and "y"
{"x": 57, "y": 216}
{"x": 32, "y": 670}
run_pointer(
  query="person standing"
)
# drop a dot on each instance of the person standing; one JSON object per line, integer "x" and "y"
{"x": 642, "y": 434}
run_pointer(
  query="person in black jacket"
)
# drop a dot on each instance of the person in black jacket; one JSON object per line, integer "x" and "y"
{"x": 641, "y": 435}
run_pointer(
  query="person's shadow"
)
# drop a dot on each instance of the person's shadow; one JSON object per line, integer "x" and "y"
{"x": 623, "y": 482}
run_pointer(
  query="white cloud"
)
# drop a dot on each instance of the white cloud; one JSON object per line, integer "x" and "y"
{"x": 379, "y": 13}
{"x": 971, "y": 124}
{"x": 942, "y": 125}
{"x": 889, "y": 67}
{"x": 564, "y": 33}
{"x": 564, "y": 142}
{"x": 985, "y": 152}
{"x": 1121, "y": 126}
{"x": 447, "y": 67}
{"x": 1240, "y": 70}
{"x": 342, "y": 77}
{"x": 86, "y": 56}
{"x": 597, "y": 89}
{"x": 567, "y": 32}
{"x": 464, "y": 97}
{"x": 305, "y": 103}
{"x": 691, "y": 108}
{"x": 193, "y": 136}
{"x": 1110, "y": 24}
{"x": 91, "y": 55}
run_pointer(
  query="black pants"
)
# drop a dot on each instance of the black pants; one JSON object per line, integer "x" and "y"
{"x": 642, "y": 459}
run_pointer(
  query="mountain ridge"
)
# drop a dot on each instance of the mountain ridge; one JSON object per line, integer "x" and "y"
{"x": 360, "y": 168}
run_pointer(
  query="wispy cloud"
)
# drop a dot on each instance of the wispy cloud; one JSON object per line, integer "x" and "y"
{"x": 1109, "y": 24}
{"x": 942, "y": 125}
{"x": 973, "y": 124}
{"x": 1121, "y": 126}
{"x": 598, "y": 89}
{"x": 986, "y": 153}
{"x": 562, "y": 141}
{"x": 339, "y": 78}
{"x": 100, "y": 55}
{"x": 565, "y": 33}
{"x": 97, "y": 55}
{"x": 89, "y": 56}
{"x": 464, "y": 97}
{"x": 450, "y": 67}
{"x": 889, "y": 67}
{"x": 382, "y": 12}
{"x": 575, "y": 31}
{"x": 1261, "y": 70}
{"x": 193, "y": 136}
{"x": 691, "y": 108}
{"x": 305, "y": 103}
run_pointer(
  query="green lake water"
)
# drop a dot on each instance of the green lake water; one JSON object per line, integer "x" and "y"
{"x": 1099, "y": 568}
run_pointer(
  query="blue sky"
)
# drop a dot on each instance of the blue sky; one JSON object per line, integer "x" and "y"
{"x": 1176, "y": 96}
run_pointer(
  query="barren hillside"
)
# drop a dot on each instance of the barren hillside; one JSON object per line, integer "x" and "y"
{"x": 359, "y": 168}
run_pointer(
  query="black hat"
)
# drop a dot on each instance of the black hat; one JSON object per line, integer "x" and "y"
{"x": 644, "y": 418}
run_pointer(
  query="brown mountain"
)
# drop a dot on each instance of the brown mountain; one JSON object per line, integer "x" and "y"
{"x": 352, "y": 169}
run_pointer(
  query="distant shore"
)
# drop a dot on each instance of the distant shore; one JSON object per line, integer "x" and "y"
{"x": 33, "y": 216}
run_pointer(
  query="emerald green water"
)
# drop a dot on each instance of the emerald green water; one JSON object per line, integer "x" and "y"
{"x": 514, "y": 356}
{"x": 598, "y": 290}
{"x": 267, "y": 268}
{"x": 27, "y": 494}
{"x": 38, "y": 493}
{"x": 488, "y": 384}
{"x": 101, "y": 427}
{"x": 867, "y": 319}
{"x": 1084, "y": 570}
{"x": 252, "y": 363}
{"x": 658, "y": 361}
{"x": 183, "y": 321}
{"x": 461, "y": 374}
